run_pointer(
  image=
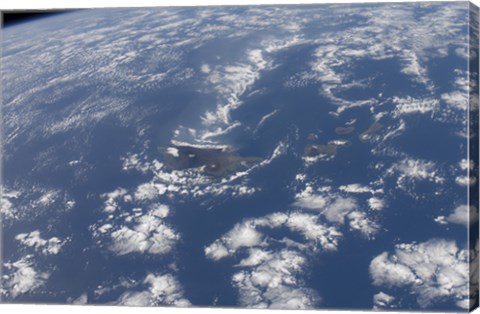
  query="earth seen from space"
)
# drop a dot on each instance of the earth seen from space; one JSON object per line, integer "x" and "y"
{"x": 290, "y": 156}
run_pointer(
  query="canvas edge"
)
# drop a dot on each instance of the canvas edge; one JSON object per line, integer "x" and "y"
{"x": 1, "y": 157}
{"x": 473, "y": 154}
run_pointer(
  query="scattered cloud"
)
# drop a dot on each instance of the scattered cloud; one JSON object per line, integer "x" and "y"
{"x": 264, "y": 119}
{"x": 458, "y": 99}
{"x": 272, "y": 277}
{"x": 337, "y": 209}
{"x": 442, "y": 220}
{"x": 360, "y": 222}
{"x": 274, "y": 282}
{"x": 311, "y": 201}
{"x": 111, "y": 203}
{"x": 434, "y": 271}
{"x": 358, "y": 188}
{"x": 7, "y": 209}
{"x": 376, "y": 203}
{"x": 150, "y": 190}
{"x": 81, "y": 300}
{"x": 465, "y": 180}
{"x": 463, "y": 215}
{"x": 21, "y": 277}
{"x": 160, "y": 290}
{"x": 150, "y": 234}
{"x": 410, "y": 105}
{"x": 172, "y": 151}
{"x": 205, "y": 68}
{"x": 382, "y": 301}
{"x": 29, "y": 201}
{"x": 409, "y": 171}
{"x": 466, "y": 164}
{"x": 33, "y": 239}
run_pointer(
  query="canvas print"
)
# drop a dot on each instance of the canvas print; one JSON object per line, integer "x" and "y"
{"x": 318, "y": 156}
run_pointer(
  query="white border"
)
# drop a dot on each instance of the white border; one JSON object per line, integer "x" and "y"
{"x": 62, "y": 309}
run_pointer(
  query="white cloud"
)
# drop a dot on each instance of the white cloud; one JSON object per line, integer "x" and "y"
{"x": 376, "y": 203}
{"x": 6, "y": 208}
{"x": 193, "y": 182}
{"x": 160, "y": 210}
{"x": 264, "y": 119}
{"x": 216, "y": 251}
{"x": 338, "y": 209}
{"x": 356, "y": 188}
{"x": 271, "y": 278}
{"x": 474, "y": 277}
{"x": 414, "y": 68}
{"x": 149, "y": 190}
{"x": 242, "y": 235}
{"x": 340, "y": 50}
{"x": 311, "y": 202}
{"x": 28, "y": 202}
{"x": 466, "y": 164}
{"x": 339, "y": 142}
{"x": 442, "y": 220}
{"x": 435, "y": 270}
{"x": 458, "y": 99}
{"x": 311, "y": 160}
{"x": 385, "y": 271}
{"x": 274, "y": 282}
{"x": 104, "y": 228}
{"x": 173, "y": 151}
{"x": 149, "y": 235}
{"x": 382, "y": 300}
{"x": 465, "y": 180}
{"x": 145, "y": 231}
{"x": 300, "y": 177}
{"x": 360, "y": 222}
{"x": 137, "y": 161}
{"x": 130, "y": 162}
{"x": 10, "y": 193}
{"x": 48, "y": 198}
{"x": 230, "y": 83}
{"x": 411, "y": 170}
{"x": 245, "y": 234}
{"x": 81, "y": 300}
{"x": 309, "y": 226}
{"x": 393, "y": 131}
{"x": 255, "y": 257}
{"x": 205, "y": 68}
{"x": 126, "y": 240}
{"x": 462, "y": 52}
{"x": 111, "y": 202}
{"x": 276, "y": 44}
{"x": 417, "y": 169}
{"x": 22, "y": 277}
{"x": 411, "y": 105}
{"x": 161, "y": 290}
{"x": 465, "y": 303}
{"x": 46, "y": 247}
{"x": 463, "y": 215}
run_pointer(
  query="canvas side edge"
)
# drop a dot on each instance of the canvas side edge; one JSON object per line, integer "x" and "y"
{"x": 473, "y": 154}
{"x": 1, "y": 156}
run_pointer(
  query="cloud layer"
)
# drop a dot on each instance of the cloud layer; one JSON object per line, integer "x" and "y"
{"x": 435, "y": 271}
